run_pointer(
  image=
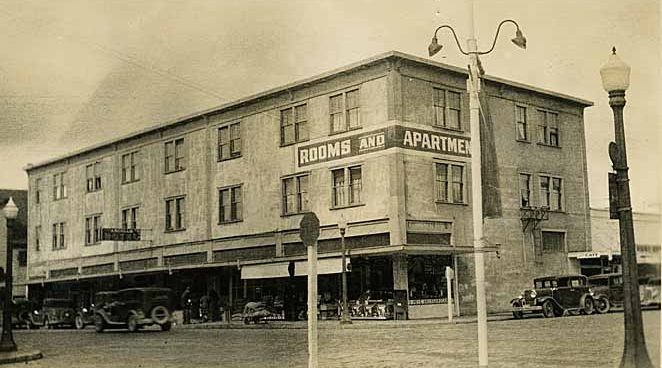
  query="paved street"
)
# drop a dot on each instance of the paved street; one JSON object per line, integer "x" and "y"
{"x": 581, "y": 341}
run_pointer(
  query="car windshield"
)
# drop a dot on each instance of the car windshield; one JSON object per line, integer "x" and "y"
{"x": 57, "y": 303}
{"x": 599, "y": 281}
{"x": 542, "y": 284}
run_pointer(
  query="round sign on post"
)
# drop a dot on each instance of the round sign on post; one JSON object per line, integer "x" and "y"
{"x": 309, "y": 228}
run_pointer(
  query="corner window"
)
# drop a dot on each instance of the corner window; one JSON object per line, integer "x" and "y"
{"x": 548, "y": 129}
{"x": 449, "y": 180}
{"x": 230, "y": 207}
{"x": 525, "y": 190}
{"x": 93, "y": 175}
{"x": 294, "y": 125}
{"x": 521, "y": 123}
{"x": 93, "y": 230}
{"x": 295, "y": 194}
{"x": 229, "y": 141}
{"x": 174, "y": 213}
{"x": 344, "y": 111}
{"x": 347, "y": 186}
{"x": 447, "y": 109}
{"x": 553, "y": 241}
{"x": 174, "y": 155}
{"x": 130, "y": 218}
{"x": 59, "y": 186}
{"x": 551, "y": 192}
{"x": 130, "y": 167}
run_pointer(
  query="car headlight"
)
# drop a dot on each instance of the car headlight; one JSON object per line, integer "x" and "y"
{"x": 533, "y": 294}
{"x": 520, "y": 296}
{"x": 66, "y": 314}
{"x": 84, "y": 310}
{"x": 36, "y": 312}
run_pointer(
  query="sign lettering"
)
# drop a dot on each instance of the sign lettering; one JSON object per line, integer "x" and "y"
{"x": 115, "y": 234}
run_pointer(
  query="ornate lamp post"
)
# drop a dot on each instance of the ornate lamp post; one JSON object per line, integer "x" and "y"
{"x": 7, "y": 341}
{"x": 615, "y": 80}
{"x": 473, "y": 87}
{"x": 344, "y": 314}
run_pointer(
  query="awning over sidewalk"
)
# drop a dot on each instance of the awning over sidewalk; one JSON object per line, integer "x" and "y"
{"x": 279, "y": 269}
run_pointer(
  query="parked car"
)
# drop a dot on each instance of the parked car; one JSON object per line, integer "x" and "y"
{"x": 134, "y": 308}
{"x": 54, "y": 312}
{"x": 553, "y": 296}
{"x": 607, "y": 291}
{"x": 373, "y": 305}
{"x": 649, "y": 292}
{"x": 22, "y": 311}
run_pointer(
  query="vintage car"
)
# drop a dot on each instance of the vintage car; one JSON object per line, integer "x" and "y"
{"x": 649, "y": 292}
{"x": 607, "y": 291}
{"x": 373, "y": 305}
{"x": 553, "y": 296}
{"x": 134, "y": 308}
{"x": 54, "y": 312}
{"x": 22, "y": 310}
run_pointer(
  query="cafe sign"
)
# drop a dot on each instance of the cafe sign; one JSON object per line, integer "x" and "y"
{"x": 381, "y": 139}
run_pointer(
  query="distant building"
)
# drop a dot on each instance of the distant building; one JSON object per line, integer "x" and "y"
{"x": 605, "y": 254}
{"x": 18, "y": 238}
{"x": 217, "y": 196}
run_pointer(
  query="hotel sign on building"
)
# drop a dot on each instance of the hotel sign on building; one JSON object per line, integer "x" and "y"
{"x": 381, "y": 139}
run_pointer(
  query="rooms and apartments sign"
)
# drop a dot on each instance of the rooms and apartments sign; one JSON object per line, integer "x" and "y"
{"x": 381, "y": 139}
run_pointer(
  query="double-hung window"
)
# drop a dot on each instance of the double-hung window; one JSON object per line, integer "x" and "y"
{"x": 347, "y": 186}
{"x": 553, "y": 241}
{"x": 93, "y": 175}
{"x": 230, "y": 206}
{"x": 229, "y": 141}
{"x": 522, "y": 124}
{"x": 175, "y": 213}
{"x": 295, "y": 194}
{"x": 37, "y": 191}
{"x": 58, "y": 235}
{"x": 294, "y": 124}
{"x": 93, "y": 230}
{"x": 548, "y": 128}
{"x": 174, "y": 155}
{"x": 59, "y": 186}
{"x": 449, "y": 180}
{"x": 525, "y": 190}
{"x": 130, "y": 218}
{"x": 37, "y": 237}
{"x": 447, "y": 109}
{"x": 345, "y": 111}
{"x": 551, "y": 192}
{"x": 130, "y": 167}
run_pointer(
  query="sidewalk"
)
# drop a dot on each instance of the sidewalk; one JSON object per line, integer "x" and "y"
{"x": 334, "y": 324}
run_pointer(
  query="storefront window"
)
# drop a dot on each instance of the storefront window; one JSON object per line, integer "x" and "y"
{"x": 427, "y": 279}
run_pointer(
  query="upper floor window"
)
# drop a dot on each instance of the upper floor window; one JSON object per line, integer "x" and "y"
{"x": 22, "y": 258}
{"x": 525, "y": 190}
{"x": 58, "y": 235}
{"x": 344, "y": 110}
{"x": 347, "y": 186}
{"x": 37, "y": 190}
{"x": 59, "y": 186}
{"x": 294, "y": 125}
{"x": 174, "y": 155}
{"x": 447, "y": 108}
{"x": 522, "y": 124}
{"x": 174, "y": 213}
{"x": 130, "y": 163}
{"x": 93, "y": 229}
{"x": 37, "y": 237}
{"x": 93, "y": 175}
{"x": 229, "y": 141}
{"x": 230, "y": 207}
{"x": 130, "y": 218}
{"x": 553, "y": 241}
{"x": 449, "y": 182}
{"x": 295, "y": 194}
{"x": 548, "y": 129}
{"x": 551, "y": 192}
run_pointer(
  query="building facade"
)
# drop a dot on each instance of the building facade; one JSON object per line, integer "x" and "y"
{"x": 217, "y": 197}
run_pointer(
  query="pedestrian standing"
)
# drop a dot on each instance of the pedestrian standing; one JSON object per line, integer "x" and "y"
{"x": 186, "y": 304}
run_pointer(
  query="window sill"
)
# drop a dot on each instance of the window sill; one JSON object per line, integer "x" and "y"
{"x": 523, "y": 140}
{"x": 94, "y": 191}
{"x": 174, "y": 230}
{"x": 174, "y": 171}
{"x": 441, "y": 127}
{"x": 92, "y": 244}
{"x": 345, "y": 131}
{"x": 437, "y": 201}
{"x": 59, "y": 199}
{"x": 131, "y": 181}
{"x": 293, "y": 214}
{"x": 293, "y": 143}
{"x": 59, "y": 248}
{"x": 229, "y": 222}
{"x": 548, "y": 145}
{"x": 228, "y": 158}
{"x": 347, "y": 206}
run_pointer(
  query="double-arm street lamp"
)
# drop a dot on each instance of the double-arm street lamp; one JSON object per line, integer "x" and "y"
{"x": 473, "y": 87}
{"x": 615, "y": 80}
{"x": 7, "y": 343}
{"x": 344, "y": 313}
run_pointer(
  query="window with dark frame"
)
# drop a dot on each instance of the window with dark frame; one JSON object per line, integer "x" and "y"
{"x": 93, "y": 229}
{"x": 229, "y": 141}
{"x": 553, "y": 241}
{"x": 344, "y": 111}
{"x": 58, "y": 235}
{"x": 525, "y": 190}
{"x": 522, "y": 125}
{"x": 295, "y": 194}
{"x": 447, "y": 109}
{"x": 548, "y": 130}
{"x": 174, "y": 155}
{"x": 93, "y": 174}
{"x": 130, "y": 218}
{"x": 347, "y": 186}
{"x": 37, "y": 237}
{"x": 294, "y": 125}
{"x": 230, "y": 206}
{"x": 37, "y": 190}
{"x": 59, "y": 186}
{"x": 175, "y": 214}
{"x": 22, "y": 258}
{"x": 551, "y": 192}
{"x": 449, "y": 180}
{"x": 130, "y": 167}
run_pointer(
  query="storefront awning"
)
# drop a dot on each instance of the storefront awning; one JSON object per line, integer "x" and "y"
{"x": 279, "y": 269}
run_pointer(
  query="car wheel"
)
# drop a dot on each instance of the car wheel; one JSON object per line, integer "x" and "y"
{"x": 166, "y": 326}
{"x": 602, "y": 305}
{"x": 517, "y": 314}
{"x": 160, "y": 314}
{"x": 548, "y": 309}
{"x": 99, "y": 323}
{"x": 132, "y": 323}
{"x": 79, "y": 323}
{"x": 588, "y": 306}
{"x": 247, "y": 320}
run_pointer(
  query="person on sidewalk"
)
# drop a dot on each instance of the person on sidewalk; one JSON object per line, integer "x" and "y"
{"x": 187, "y": 305}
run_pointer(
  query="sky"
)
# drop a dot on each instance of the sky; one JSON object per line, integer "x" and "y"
{"x": 76, "y": 73}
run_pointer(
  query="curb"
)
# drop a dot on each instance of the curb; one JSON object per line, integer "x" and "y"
{"x": 20, "y": 356}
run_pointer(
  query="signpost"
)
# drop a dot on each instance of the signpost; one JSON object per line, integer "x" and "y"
{"x": 309, "y": 231}
{"x": 450, "y": 275}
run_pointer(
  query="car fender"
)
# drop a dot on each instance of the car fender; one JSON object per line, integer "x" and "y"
{"x": 541, "y": 300}
{"x": 102, "y": 313}
{"x": 515, "y": 300}
{"x": 598, "y": 296}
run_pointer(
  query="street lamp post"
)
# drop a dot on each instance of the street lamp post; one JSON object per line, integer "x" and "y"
{"x": 7, "y": 343}
{"x": 473, "y": 88}
{"x": 615, "y": 80}
{"x": 344, "y": 313}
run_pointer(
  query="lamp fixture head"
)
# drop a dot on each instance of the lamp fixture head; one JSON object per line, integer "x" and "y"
{"x": 434, "y": 47}
{"x": 615, "y": 73}
{"x": 519, "y": 40}
{"x": 10, "y": 210}
{"x": 342, "y": 223}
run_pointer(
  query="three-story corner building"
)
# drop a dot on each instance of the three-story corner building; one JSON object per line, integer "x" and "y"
{"x": 218, "y": 196}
